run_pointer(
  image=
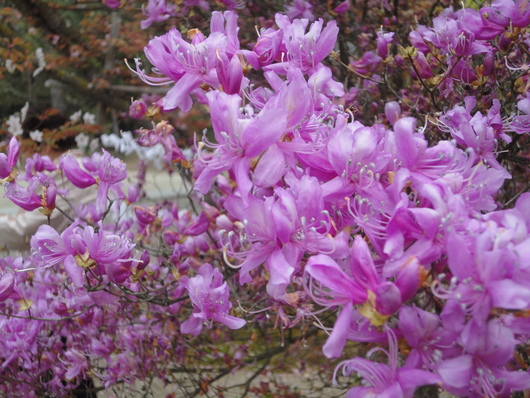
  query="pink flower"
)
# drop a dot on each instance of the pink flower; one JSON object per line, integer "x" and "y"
{"x": 77, "y": 364}
{"x": 239, "y": 139}
{"x": 79, "y": 249}
{"x": 266, "y": 50}
{"x": 360, "y": 285}
{"x": 156, "y": 11}
{"x": 187, "y": 64}
{"x": 480, "y": 371}
{"x": 304, "y": 50}
{"x": 367, "y": 63}
{"x": 300, "y": 9}
{"x": 211, "y": 301}
{"x": 381, "y": 380}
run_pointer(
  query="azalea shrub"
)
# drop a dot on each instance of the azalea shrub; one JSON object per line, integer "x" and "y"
{"x": 360, "y": 188}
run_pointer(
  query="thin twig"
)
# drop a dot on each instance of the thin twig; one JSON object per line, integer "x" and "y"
{"x": 65, "y": 318}
{"x": 526, "y": 188}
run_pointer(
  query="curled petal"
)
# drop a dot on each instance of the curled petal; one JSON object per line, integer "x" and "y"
{"x": 75, "y": 174}
{"x": 7, "y": 285}
{"x": 337, "y": 339}
{"x": 325, "y": 270}
{"x": 13, "y": 150}
{"x": 24, "y": 198}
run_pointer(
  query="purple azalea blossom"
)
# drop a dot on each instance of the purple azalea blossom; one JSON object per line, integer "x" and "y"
{"x": 190, "y": 64}
{"x": 452, "y": 34}
{"x": 304, "y": 50}
{"x": 477, "y": 132}
{"x": 479, "y": 372}
{"x": 77, "y": 364}
{"x": 361, "y": 285}
{"x": 261, "y": 233}
{"x": 367, "y": 64}
{"x": 230, "y": 74}
{"x": 300, "y": 9}
{"x": 423, "y": 332}
{"x": 351, "y": 149}
{"x": 36, "y": 165}
{"x": 279, "y": 229}
{"x": 482, "y": 271}
{"x": 108, "y": 170}
{"x": 386, "y": 381}
{"x": 156, "y": 11}
{"x": 506, "y": 12}
{"x": 82, "y": 248}
{"x": 239, "y": 139}
{"x": 266, "y": 50}
{"x": 162, "y": 134}
{"x": 211, "y": 301}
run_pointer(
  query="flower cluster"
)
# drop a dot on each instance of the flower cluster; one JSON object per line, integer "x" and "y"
{"x": 403, "y": 227}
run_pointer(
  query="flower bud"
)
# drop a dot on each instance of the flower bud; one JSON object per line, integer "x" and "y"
{"x": 423, "y": 67}
{"x": 144, "y": 216}
{"x": 342, "y": 7}
{"x": 267, "y": 47}
{"x": 13, "y": 150}
{"x": 198, "y": 226}
{"x": 112, "y": 3}
{"x": 171, "y": 237}
{"x": 494, "y": 16}
{"x": 383, "y": 41}
{"x": 392, "y": 111}
{"x": 489, "y": 64}
{"x": 5, "y": 169}
{"x": 145, "y": 258}
{"x": 138, "y": 109}
{"x": 211, "y": 212}
{"x": 504, "y": 43}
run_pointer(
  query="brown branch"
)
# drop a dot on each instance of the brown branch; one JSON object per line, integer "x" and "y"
{"x": 139, "y": 89}
{"x": 508, "y": 203}
{"x": 84, "y": 87}
{"x": 431, "y": 92}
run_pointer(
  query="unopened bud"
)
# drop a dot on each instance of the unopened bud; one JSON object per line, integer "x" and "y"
{"x": 137, "y": 110}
